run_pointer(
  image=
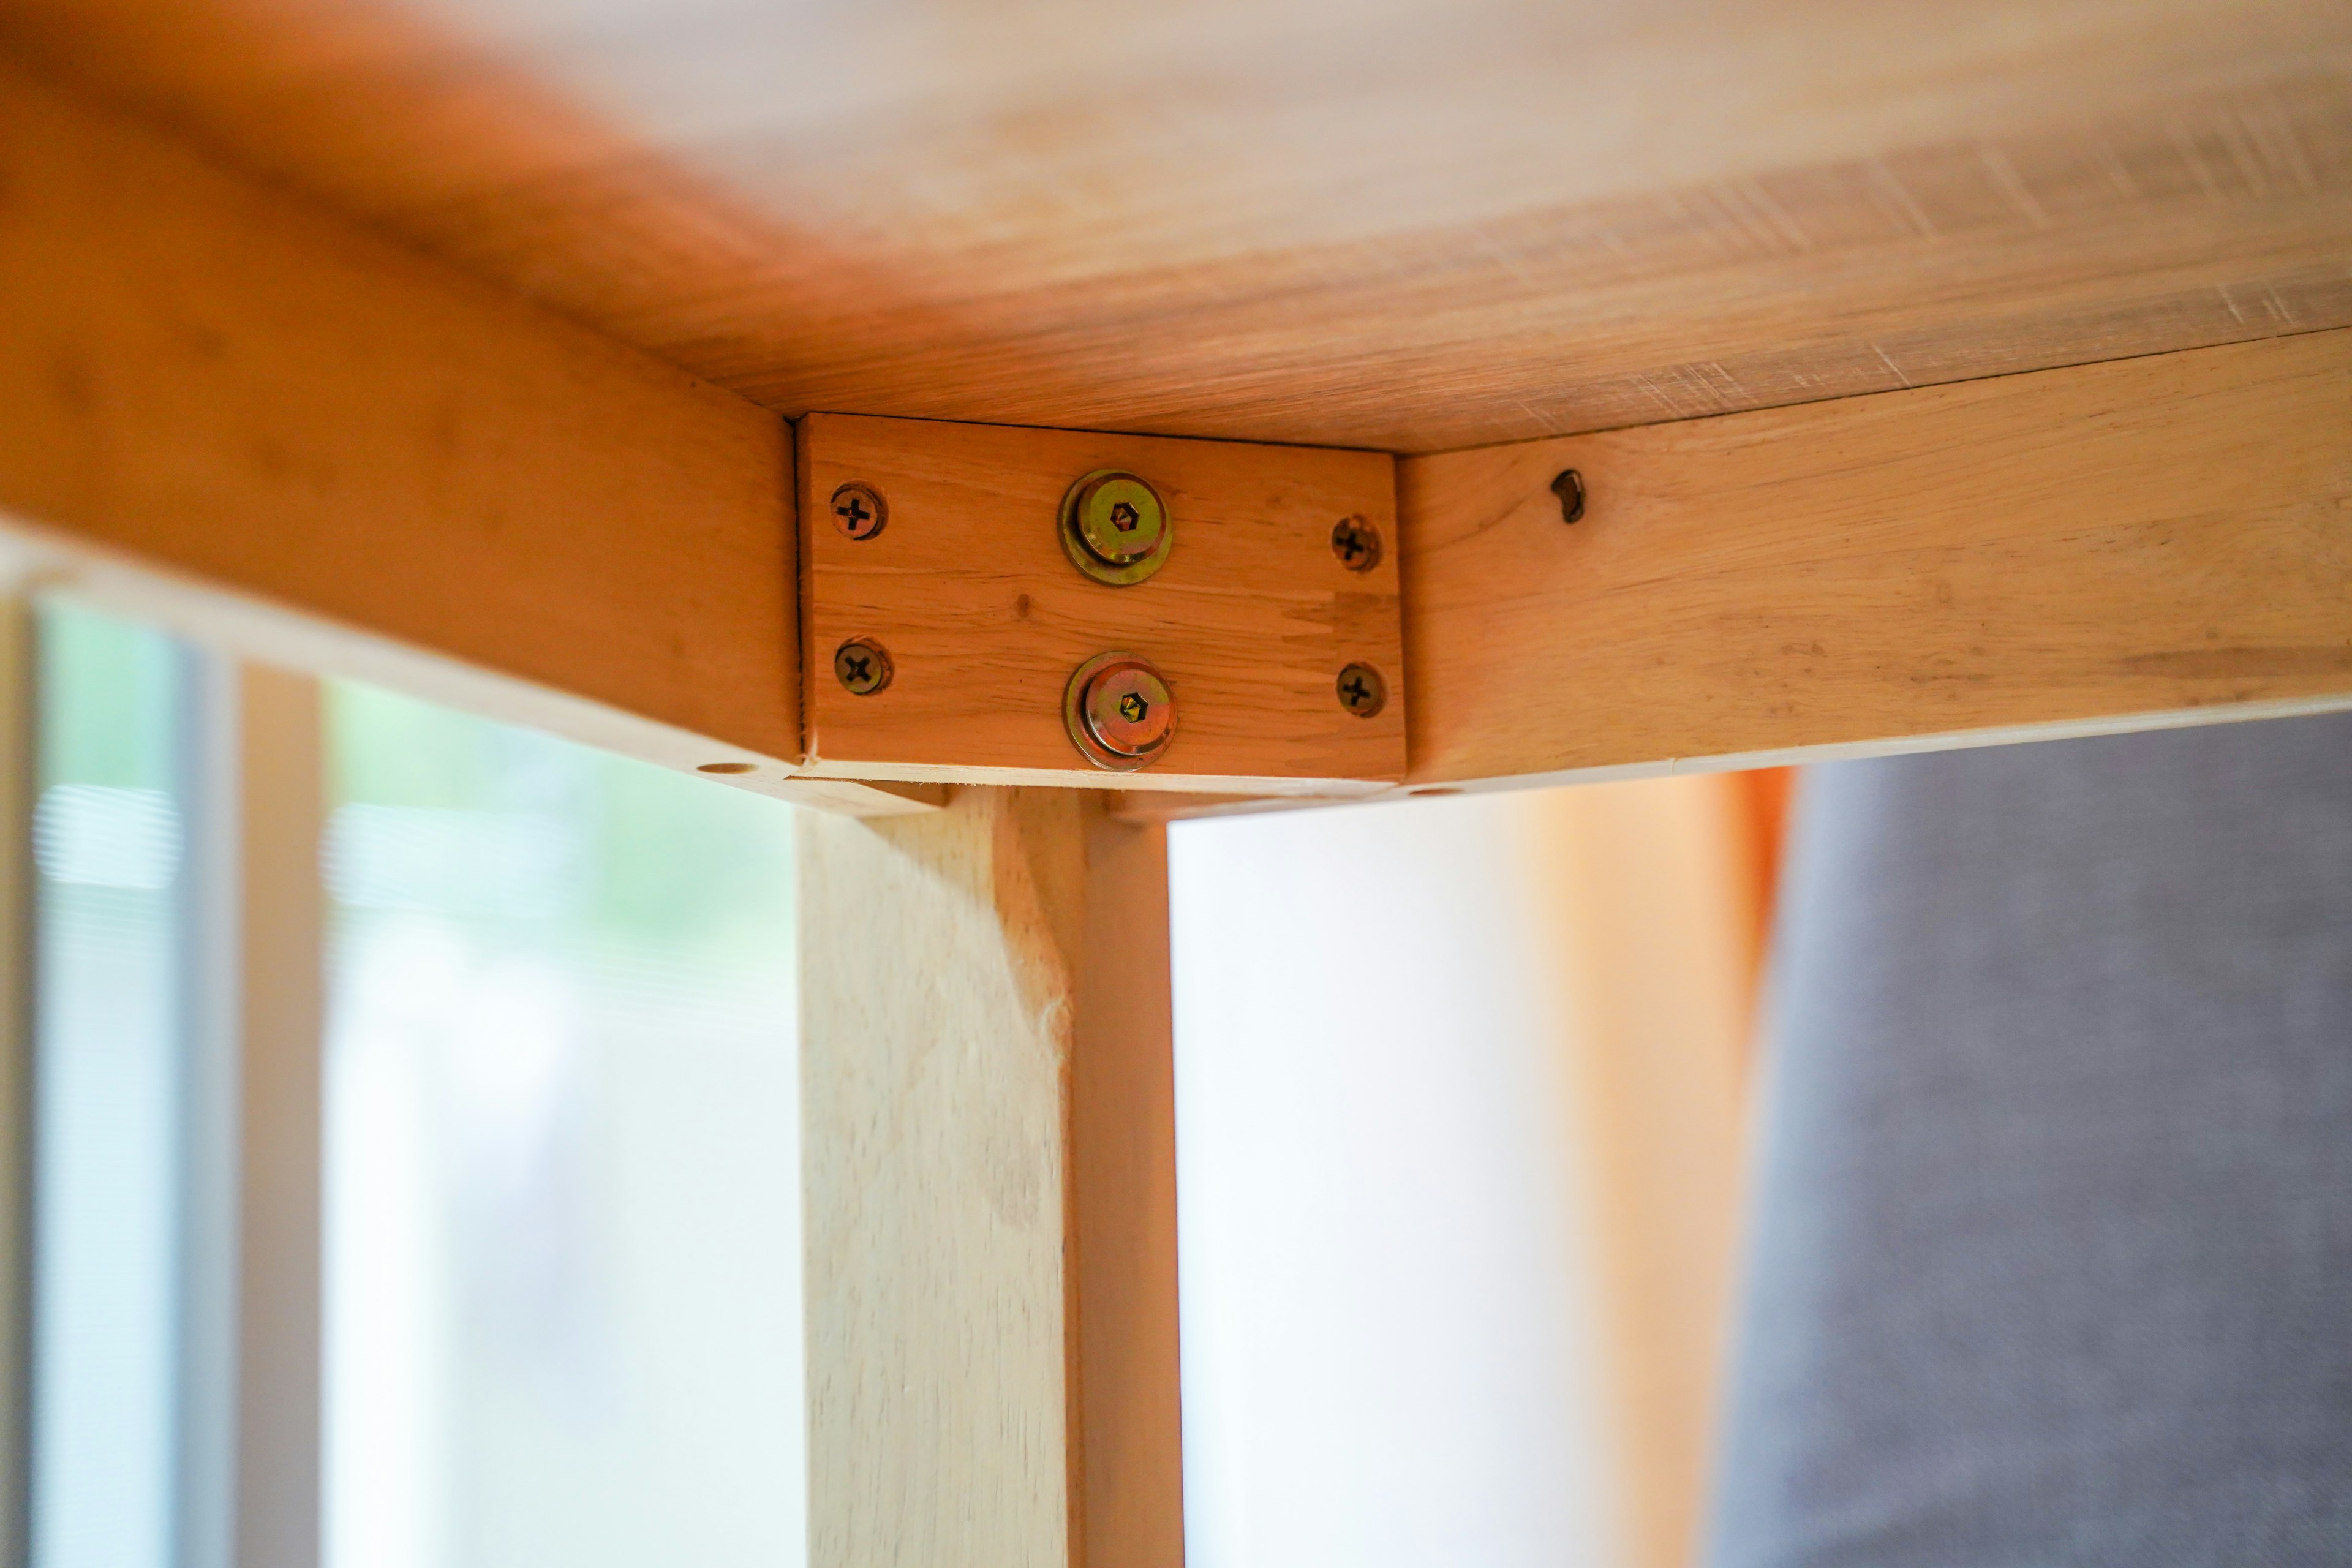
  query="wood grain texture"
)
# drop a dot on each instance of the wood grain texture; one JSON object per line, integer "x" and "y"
{"x": 1407, "y": 224}
{"x": 2085, "y": 547}
{"x": 1131, "y": 1461}
{"x": 936, "y": 963}
{"x": 1250, "y": 619}
{"x": 208, "y": 375}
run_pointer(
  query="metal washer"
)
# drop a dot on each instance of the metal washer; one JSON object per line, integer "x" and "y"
{"x": 1074, "y": 716}
{"x": 1072, "y": 537}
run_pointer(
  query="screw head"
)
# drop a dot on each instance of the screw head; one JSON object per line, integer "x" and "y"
{"x": 1357, "y": 543}
{"x": 1119, "y": 711}
{"x": 859, "y": 510}
{"x": 1362, "y": 691}
{"x": 1114, "y": 527}
{"x": 863, "y": 666}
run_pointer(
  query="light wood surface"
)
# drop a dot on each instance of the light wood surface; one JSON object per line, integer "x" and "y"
{"x": 988, "y": 1121}
{"x": 1129, "y": 1456}
{"x": 2100, "y": 546}
{"x": 1650, "y": 889}
{"x": 198, "y": 371}
{"x": 280, "y": 1007}
{"x": 1410, "y": 224}
{"x": 1250, "y": 619}
{"x": 936, "y": 957}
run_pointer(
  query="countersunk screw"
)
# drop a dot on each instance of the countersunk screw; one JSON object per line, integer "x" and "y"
{"x": 863, "y": 666}
{"x": 1362, "y": 691}
{"x": 1357, "y": 543}
{"x": 1568, "y": 485}
{"x": 859, "y": 510}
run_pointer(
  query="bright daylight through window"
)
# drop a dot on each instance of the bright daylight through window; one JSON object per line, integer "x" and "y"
{"x": 558, "y": 1295}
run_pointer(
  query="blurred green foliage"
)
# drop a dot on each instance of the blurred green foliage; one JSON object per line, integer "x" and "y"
{"x": 110, "y": 692}
{"x": 661, "y": 857}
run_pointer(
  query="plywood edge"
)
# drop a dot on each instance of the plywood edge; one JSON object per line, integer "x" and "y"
{"x": 1898, "y": 745}
{"x": 1177, "y": 786}
{"x": 36, "y": 563}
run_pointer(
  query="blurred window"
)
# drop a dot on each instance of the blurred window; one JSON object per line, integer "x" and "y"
{"x": 562, "y": 1239}
{"x": 111, "y": 1100}
{"x": 1389, "y": 1300}
{"x": 559, "y": 1297}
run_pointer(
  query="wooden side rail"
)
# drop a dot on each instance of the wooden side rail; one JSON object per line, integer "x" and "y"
{"x": 215, "y": 377}
{"x": 2111, "y": 546}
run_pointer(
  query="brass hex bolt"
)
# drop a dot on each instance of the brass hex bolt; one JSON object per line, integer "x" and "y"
{"x": 1114, "y": 528}
{"x": 859, "y": 510}
{"x": 1362, "y": 691}
{"x": 1357, "y": 543}
{"x": 1119, "y": 711}
{"x": 863, "y": 666}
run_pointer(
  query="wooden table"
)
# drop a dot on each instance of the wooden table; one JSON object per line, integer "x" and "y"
{"x": 1928, "y": 377}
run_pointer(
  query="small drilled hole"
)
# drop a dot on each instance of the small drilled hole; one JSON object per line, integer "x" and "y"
{"x": 728, "y": 768}
{"x": 1568, "y": 485}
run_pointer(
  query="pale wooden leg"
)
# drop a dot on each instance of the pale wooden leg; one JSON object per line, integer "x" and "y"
{"x": 1653, "y": 920}
{"x": 991, "y": 1187}
{"x": 1123, "y": 1154}
{"x": 281, "y": 1008}
{"x": 936, "y": 1032}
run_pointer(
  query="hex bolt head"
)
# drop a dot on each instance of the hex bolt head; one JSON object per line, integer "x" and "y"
{"x": 859, "y": 510}
{"x": 1568, "y": 485}
{"x": 1357, "y": 543}
{"x": 863, "y": 666}
{"x": 1114, "y": 528}
{"x": 1119, "y": 711}
{"x": 1362, "y": 691}
{"x": 1121, "y": 519}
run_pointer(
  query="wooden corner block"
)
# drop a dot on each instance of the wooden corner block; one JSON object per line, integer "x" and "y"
{"x": 1250, "y": 619}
